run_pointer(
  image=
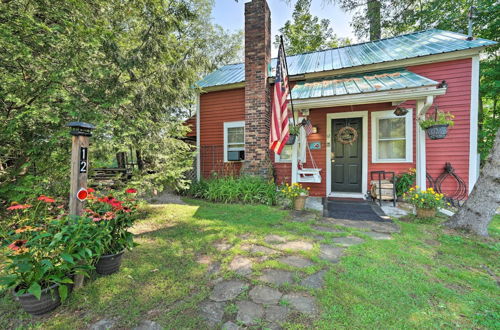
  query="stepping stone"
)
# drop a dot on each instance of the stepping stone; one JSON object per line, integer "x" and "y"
{"x": 314, "y": 281}
{"x": 302, "y": 216}
{"x": 148, "y": 325}
{"x": 276, "y": 276}
{"x": 302, "y": 302}
{"x": 212, "y": 312}
{"x": 265, "y": 295}
{"x": 274, "y": 239}
{"x": 276, "y": 314}
{"x": 222, "y": 246}
{"x": 295, "y": 246}
{"x": 348, "y": 241}
{"x": 204, "y": 260}
{"x": 388, "y": 227}
{"x": 330, "y": 253}
{"x": 241, "y": 265}
{"x": 227, "y": 290}
{"x": 213, "y": 268}
{"x": 230, "y": 326}
{"x": 102, "y": 325}
{"x": 326, "y": 229}
{"x": 296, "y": 261}
{"x": 377, "y": 235}
{"x": 249, "y": 313}
{"x": 253, "y": 248}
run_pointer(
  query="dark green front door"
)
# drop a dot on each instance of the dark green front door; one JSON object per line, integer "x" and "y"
{"x": 346, "y": 154}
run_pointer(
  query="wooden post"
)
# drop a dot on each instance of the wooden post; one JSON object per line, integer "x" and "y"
{"x": 79, "y": 173}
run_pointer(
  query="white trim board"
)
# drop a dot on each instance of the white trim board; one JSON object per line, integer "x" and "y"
{"x": 364, "y": 161}
{"x": 474, "y": 113}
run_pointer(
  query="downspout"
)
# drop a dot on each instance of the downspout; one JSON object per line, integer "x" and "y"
{"x": 198, "y": 137}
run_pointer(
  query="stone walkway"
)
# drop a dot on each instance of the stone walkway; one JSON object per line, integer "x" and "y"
{"x": 275, "y": 280}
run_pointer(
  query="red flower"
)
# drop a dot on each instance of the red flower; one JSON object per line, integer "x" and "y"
{"x": 109, "y": 216}
{"x": 90, "y": 190}
{"x": 16, "y": 245}
{"x": 46, "y": 199}
{"x": 18, "y": 207}
{"x": 131, "y": 191}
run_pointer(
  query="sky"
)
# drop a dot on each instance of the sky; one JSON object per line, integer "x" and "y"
{"x": 229, "y": 14}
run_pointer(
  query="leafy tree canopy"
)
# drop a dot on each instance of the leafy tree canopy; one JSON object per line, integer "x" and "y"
{"x": 126, "y": 66}
{"x": 305, "y": 32}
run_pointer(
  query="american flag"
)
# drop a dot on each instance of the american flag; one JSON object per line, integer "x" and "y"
{"x": 279, "y": 111}
{"x": 306, "y": 123}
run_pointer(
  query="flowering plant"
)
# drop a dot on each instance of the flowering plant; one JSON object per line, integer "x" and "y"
{"x": 441, "y": 118}
{"x": 114, "y": 217}
{"x": 38, "y": 256}
{"x": 294, "y": 190}
{"x": 424, "y": 199}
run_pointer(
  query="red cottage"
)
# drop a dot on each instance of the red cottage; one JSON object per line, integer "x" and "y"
{"x": 349, "y": 94}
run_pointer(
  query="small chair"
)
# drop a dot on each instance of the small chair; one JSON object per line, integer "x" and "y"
{"x": 383, "y": 188}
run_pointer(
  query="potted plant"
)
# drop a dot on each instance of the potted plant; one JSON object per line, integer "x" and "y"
{"x": 41, "y": 259}
{"x": 426, "y": 202}
{"x": 296, "y": 194}
{"x": 114, "y": 217}
{"x": 437, "y": 127}
{"x": 294, "y": 131}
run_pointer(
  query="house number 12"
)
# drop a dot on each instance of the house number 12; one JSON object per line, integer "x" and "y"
{"x": 83, "y": 160}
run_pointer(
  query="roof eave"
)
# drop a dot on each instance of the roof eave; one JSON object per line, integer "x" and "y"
{"x": 396, "y": 95}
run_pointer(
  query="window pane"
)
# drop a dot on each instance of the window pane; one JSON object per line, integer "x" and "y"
{"x": 392, "y": 149}
{"x": 286, "y": 153}
{"x": 391, "y": 128}
{"x": 235, "y": 135}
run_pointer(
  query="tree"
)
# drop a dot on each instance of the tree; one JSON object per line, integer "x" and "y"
{"x": 126, "y": 66}
{"x": 306, "y": 33}
{"x": 480, "y": 207}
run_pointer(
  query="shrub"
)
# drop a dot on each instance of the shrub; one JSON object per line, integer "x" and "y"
{"x": 245, "y": 189}
{"x": 405, "y": 181}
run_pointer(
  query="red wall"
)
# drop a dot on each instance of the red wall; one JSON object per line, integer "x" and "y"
{"x": 223, "y": 106}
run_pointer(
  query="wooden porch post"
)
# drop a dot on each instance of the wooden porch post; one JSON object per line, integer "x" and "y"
{"x": 295, "y": 150}
{"x": 420, "y": 165}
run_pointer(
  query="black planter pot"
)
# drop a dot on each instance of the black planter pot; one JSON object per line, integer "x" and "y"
{"x": 49, "y": 300}
{"x": 291, "y": 140}
{"x": 437, "y": 132}
{"x": 109, "y": 264}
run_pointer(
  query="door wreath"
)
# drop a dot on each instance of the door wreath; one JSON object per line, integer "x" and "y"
{"x": 347, "y": 135}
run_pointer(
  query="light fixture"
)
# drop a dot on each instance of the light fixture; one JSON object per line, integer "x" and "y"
{"x": 315, "y": 129}
{"x": 399, "y": 111}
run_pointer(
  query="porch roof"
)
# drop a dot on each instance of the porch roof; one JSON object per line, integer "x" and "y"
{"x": 379, "y": 81}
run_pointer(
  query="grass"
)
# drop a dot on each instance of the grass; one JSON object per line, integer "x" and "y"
{"x": 426, "y": 277}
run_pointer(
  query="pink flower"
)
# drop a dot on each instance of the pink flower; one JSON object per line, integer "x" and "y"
{"x": 16, "y": 245}
{"x": 46, "y": 199}
{"x": 131, "y": 191}
{"x": 90, "y": 190}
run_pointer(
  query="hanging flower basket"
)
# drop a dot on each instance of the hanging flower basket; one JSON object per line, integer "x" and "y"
{"x": 291, "y": 139}
{"x": 437, "y": 132}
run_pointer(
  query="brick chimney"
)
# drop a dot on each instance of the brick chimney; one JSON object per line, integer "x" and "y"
{"x": 257, "y": 92}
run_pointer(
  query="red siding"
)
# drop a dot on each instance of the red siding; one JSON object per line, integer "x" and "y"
{"x": 215, "y": 109}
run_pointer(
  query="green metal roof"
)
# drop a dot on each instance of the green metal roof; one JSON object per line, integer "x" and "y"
{"x": 360, "y": 83}
{"x": 402, "y": 47}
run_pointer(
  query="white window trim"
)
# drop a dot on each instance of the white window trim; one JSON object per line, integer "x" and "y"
{"x": 230, "y": 124}
{"x": 278, "y": 159}
{"x": 376, "y": 115}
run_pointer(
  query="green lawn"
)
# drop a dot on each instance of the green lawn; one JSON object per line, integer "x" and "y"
{"x": 426, "y": 277}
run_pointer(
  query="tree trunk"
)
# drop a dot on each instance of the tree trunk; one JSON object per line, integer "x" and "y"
{"x": 374, "y": 19}
{"x": 478, "y": 211}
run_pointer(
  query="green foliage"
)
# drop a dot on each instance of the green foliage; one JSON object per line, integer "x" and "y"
{"x": 306, "y": 33}
{"x": 405, "y": 181}
{"x": 245, "y": 189}
{"x": 440, "y": 118}
{"x": 127, "y": 67}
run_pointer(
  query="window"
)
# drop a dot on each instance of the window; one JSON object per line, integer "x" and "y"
{"x": 286, "y": 153}
{"x": 391, "y": 137}
{"x": 234, "y": 141}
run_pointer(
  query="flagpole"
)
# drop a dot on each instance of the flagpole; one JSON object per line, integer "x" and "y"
{"x": 288, "y": 77}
